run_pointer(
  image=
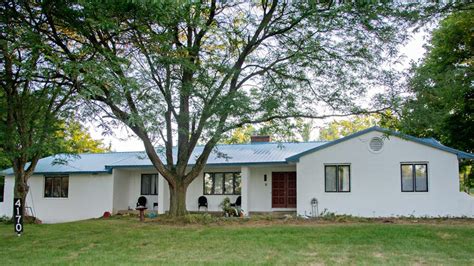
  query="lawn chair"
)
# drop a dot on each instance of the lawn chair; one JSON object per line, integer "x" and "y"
{"x": 238, "y": 202}
{"x": 202, "y": 202}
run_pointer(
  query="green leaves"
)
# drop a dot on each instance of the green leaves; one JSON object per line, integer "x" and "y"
{"x": 443, "y": 103}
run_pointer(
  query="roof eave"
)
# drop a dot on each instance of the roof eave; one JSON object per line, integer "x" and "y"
{"x": 458, "y": 153}
{"x": 208, "y": 164}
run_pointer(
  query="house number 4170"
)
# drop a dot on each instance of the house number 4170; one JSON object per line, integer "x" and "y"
{"x": 18, "y": 216}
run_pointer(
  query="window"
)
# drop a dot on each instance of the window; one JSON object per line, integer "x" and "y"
{"x": 414, "y": 177}
{"x": 222, "y": 183}
{"x": 149, "y": 184}
{"x": 56, "y": 186}
{"x": 2, "y": 187}
{"x": 337, "y": 178}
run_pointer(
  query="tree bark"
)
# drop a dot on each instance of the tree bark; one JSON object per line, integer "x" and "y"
{"x": 21, "y": 190}
{"x": 178, "y": 199}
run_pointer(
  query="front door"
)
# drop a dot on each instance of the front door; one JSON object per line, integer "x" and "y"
{"x": 284, "y": 190}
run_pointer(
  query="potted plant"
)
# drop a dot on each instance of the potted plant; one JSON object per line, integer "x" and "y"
{"x": 228, "y": 210}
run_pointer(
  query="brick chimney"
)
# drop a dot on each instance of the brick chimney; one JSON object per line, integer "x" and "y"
{"x": 259, "y": 139}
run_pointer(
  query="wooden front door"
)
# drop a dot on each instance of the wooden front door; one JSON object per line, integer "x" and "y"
{"x": 284, "y": 190}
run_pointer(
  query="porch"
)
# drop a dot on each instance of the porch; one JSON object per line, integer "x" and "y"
{"x": 263, "y": 189}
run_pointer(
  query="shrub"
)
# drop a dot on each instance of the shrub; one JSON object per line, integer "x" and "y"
{"x": 327, "y": 215}
{"x": 228, "y": 210}
{"x": 199, "y": 218}
{"x": 6, "y": 220}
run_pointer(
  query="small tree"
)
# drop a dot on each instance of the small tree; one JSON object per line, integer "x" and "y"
{"x": 74, "y": 138}
{"x": 183, "y": 73}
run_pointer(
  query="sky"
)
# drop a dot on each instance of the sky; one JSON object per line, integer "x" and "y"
{"x": 124, "y": 140}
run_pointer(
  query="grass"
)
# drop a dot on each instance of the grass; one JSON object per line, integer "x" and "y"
{"x": 126, "y": 241}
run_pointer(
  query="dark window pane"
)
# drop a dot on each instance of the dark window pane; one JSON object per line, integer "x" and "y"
{"x": 222, "y": 183}
{"x": 207, "y": 183}
{"x": 65, "y": 187}
{"x": 421, "y": 178}
{"x": 407, "y": 177}
{"x": 2, "y": 187}
{"x": 344, "y": 178}
{"x": 218, "y": 183}
{"x": 48, "y": 187}
{"x": 229, "y": 183}
{"x": 237, "y": 182}
{"x": 154, "y": 185}
{"x": 56, "y": 187}
{"x": 146, "y": 184}
{"x": 330, "y": 175}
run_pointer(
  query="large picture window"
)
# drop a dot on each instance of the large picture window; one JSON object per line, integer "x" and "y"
{"x": 149, "y": 184}
{"x": 2, "y": 187}
{"x": 337, "y": 178}
{"x": 414, "y": 177}
{"x": 56, "y": 186}
{"x": 222, "y": 184}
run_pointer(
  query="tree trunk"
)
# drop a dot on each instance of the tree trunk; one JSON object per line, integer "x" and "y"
{"x": 178, "y": 199}
{"x": 21, "y": 190}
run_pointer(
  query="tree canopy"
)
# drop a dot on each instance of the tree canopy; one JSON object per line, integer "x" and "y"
{"x": 442, "y": 88}
{"x": 76, "y": 139}
{"x": 337, "y": 129}
{"x": 288, "y": 130}
{"x": 442, "y": 105}
{"x": 341, "y": 128}
{"x": 36, "y": 87}
{"x": 72, "y": 138}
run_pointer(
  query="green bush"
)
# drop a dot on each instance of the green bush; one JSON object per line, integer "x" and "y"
{"x": 199, "y": 218}
{"x": 6, "y": 220}
{"x": 228, "y": 210}
{"x": 327, "y": 215}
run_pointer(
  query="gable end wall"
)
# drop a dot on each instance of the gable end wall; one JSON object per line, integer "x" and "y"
{"x": 376, "y": 180}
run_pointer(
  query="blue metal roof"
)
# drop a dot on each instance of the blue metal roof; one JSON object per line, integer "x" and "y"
{"x": 232, "y": 154}
{"x": 81, "y": 163}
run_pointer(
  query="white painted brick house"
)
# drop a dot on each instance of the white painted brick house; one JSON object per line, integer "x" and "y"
{"x": 372, "y": 173}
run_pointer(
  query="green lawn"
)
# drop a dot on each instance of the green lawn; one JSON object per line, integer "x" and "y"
{"x": 127, "y": 241}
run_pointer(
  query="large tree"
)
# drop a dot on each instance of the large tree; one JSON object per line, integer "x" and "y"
{"x": 442, "y": 87}
{"x": 34, "y": 90}
{"x": 179, "y": 73}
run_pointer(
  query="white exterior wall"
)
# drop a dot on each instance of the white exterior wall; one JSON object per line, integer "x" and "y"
{"x": 132, "y": 184}
{"x": 121, "y": 190}
{"x": 196, "y": 189}
{"x": 375, "y": 186}
{"x": 89, "y": 197}
{"x": 6, "y": 207}
{"x": 259, "y": 191}
{"x": 127, "y": 189}
{"x": 376, "y": 181}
